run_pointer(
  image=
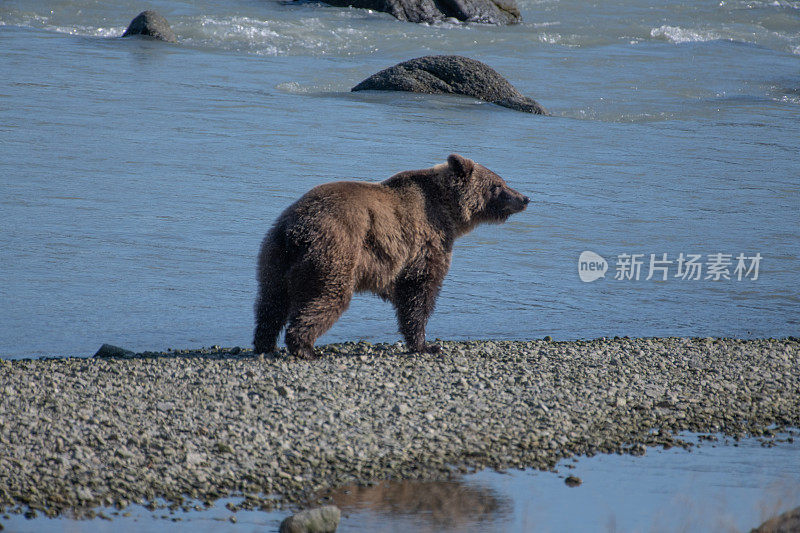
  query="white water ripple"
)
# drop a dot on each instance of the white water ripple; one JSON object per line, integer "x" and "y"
{"x": 676, "y": 34}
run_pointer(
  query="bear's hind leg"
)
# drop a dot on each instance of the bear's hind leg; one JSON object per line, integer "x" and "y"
{"x": 317, "y": 303}
{"x": 272, "y": 303}
{"x": 271, "y": 314}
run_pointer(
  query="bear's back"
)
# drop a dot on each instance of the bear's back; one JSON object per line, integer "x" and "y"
{"x": 381, "y": 228}
{"x": 344, "y": 205}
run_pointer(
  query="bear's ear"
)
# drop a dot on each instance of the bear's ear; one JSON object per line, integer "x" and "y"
{"x": 461, "y": 166}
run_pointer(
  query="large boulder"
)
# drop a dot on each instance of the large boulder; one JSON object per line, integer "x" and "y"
{"x": 451, "y": 75}
{"x": 151, "y": 24}
{"x": 483, "y": 11}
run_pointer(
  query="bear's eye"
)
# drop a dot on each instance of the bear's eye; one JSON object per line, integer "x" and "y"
{"x": 495, "y": 189}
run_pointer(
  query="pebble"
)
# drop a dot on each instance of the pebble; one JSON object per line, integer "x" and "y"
{"x": 186, "y": 427}
{"x": 573, "y": 481}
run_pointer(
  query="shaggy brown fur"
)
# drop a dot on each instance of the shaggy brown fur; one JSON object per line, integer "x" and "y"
{"x": 394, "y": 239}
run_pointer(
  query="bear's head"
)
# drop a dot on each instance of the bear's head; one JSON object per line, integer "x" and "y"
{"x": 480, "y": 194}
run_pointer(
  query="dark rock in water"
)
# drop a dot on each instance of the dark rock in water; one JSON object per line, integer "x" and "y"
{"x": 109, "y": 350}
{"x": 320, "y": 520}
{"x": 483, "y": 11}
{"x": 451, "y": 75}
{"x": 788, "y": 522}
{"x": 573, "y": 481}
{"x": 151, "y": 24}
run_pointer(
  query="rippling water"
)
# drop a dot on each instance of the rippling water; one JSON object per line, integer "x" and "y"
{"x": 139, "y": 177}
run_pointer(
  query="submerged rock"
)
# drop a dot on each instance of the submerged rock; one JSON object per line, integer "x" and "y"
{"x": 451, "y": 75}
{"x": 151, "y": 24}
{"x": 429, "y": 11}
{"x": 320, "y": 520}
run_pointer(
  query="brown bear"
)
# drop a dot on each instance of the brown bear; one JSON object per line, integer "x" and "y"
{"x": 393, "y": 238}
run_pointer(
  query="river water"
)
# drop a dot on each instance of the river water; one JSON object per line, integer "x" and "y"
{"x": 137, "y": 178}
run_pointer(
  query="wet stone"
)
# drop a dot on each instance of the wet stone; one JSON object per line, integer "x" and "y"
{"x": 150, "y": 24}
{"x": 320, "y": 520}
{"x": 109, "y": 350}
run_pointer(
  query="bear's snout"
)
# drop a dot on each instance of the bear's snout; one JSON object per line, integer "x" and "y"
{"x": 514, "y": 201}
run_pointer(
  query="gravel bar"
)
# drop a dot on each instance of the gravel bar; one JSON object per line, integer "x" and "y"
{"x": 186, "y": 427}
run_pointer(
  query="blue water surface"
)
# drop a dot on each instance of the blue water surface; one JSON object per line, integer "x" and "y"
{"x": 137, "y": 178}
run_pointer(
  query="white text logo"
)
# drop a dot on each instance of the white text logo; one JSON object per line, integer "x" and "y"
{"x": 591, "y": 266}
{"x": 661, "y": 267}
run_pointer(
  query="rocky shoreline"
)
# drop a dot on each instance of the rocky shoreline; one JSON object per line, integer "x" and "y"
{"x": 187, "y": 427}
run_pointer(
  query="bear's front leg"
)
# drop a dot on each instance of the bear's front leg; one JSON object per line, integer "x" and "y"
{"x": 414, "y": 298}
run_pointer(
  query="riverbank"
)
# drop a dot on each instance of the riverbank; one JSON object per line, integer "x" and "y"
{"x": 193, "y": 426}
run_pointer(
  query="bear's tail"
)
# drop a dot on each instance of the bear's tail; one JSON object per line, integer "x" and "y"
{"x": 272, "y": 302}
